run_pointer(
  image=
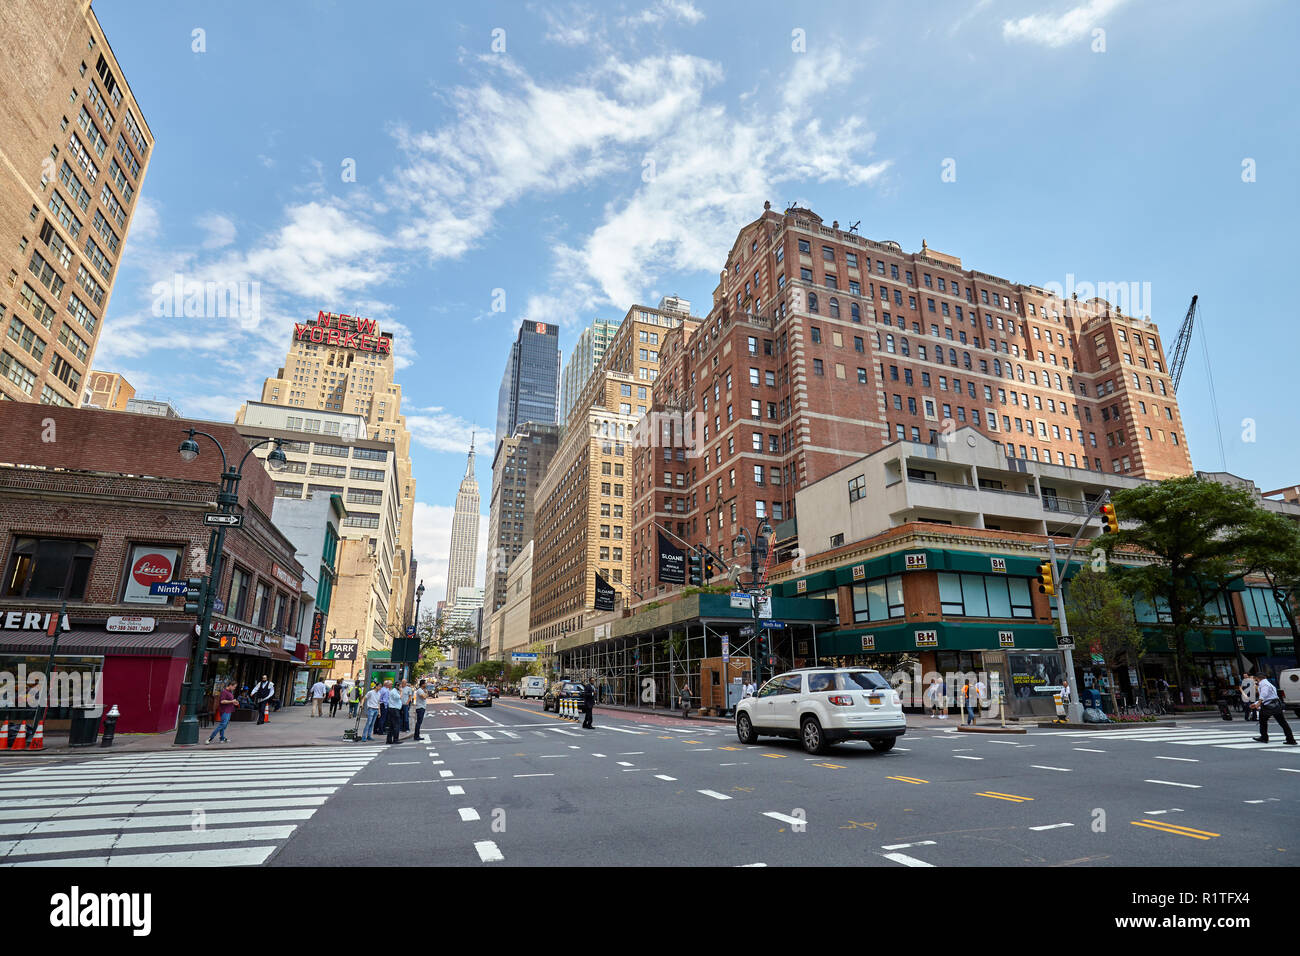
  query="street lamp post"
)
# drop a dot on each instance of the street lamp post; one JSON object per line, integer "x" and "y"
{"x": 419, "y": 594}
{"x": 757, "y": 548}
{"x": 187, "y": 732}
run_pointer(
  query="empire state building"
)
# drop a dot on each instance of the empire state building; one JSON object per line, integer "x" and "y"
{"x": 464, "y": 533}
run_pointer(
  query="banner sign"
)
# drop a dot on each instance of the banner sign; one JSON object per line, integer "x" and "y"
{"x": 130, "y": 625}
{"x": 149, "y": 565}
{"x": 604, "y": 594}
{"x": 344, "y": 331}
{"x": 317, "y": 631}
{"x": 672, "y": 562}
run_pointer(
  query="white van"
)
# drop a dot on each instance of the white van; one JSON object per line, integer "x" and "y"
{"x": 1288, "y": 688}
{"x": 532, "y": 687}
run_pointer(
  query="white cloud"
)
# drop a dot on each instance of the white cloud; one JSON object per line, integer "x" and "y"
{"x": 680, "y": 10}
{"x": 220, "y": 230}
{"x": 440, "y": 430}
{"x": 1056, "y": 30}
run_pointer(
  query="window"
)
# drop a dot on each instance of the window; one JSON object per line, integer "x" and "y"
{"x": 983, "y": 595}
{"x": 879, "y": 599}
{"x": 818, "y": 367}
{"x": 857, "y": 488}
{"x": 48, "y": 569}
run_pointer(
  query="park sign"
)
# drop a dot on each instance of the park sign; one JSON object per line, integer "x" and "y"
{"x": 344, "y": 331}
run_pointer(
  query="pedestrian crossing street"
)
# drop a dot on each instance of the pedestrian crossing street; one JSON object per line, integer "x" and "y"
{"x": 525, "y": 733}
{"x": 1226, "y": 739}
{"x": 205, "y": 808}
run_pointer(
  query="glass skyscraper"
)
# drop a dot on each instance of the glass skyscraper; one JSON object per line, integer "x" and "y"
{"x": 530, "y": 387}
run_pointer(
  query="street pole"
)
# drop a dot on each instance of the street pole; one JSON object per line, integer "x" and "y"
{"x": 1073, "y": 711}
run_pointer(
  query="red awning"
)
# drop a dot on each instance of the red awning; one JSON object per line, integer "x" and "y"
{"x": 169, "y": 643}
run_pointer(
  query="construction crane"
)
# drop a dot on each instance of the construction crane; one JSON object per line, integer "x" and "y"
{"x": 1183, "y": 345}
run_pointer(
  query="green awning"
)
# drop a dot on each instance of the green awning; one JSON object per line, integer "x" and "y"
{"x": 1218, "y": 641}
{"x": 945, "y": 635}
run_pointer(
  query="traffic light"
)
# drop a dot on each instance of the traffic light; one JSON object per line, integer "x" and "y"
{"x": 1046, "y": 579}
{"x": 710, "y": 569}
{"x": 696, "y": 576}
{"x": 194, "y": 595}
{"x": 1108, "y": 516}
{"x": 762, "y": 646}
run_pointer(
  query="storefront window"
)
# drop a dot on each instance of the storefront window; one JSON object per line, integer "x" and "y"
{"x": 48, "y": 568}
{"x": 984, "y": 595}
{"x": 1262, "y": 608}
{"x": 1148, "y": 614}
{"x": 878, "y": 600}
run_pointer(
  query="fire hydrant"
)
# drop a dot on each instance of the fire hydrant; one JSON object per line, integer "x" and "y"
{"x": 110, "y": 726}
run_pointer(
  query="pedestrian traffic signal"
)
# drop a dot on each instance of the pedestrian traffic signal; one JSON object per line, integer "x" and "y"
{"x": 696, "y": 576}
{"x": 710, "y": 569}
{"x": 194, "y": 595}
{"x": 1046, "y": 579}
{"x": 1108, "y": 516}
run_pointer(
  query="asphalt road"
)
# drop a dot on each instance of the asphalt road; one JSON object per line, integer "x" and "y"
{"x": 512, "y": 786}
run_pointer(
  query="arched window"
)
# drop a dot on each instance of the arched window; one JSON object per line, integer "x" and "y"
{"x": 1149, "y": 388}
{"x": 855, "y": 312}
{"x": 1162, "y": 389}
{"x": 877, "y": 334}
{"x": 1020, "y": 372}
{"x": 997, "y": 367}
{"x": 903, "y": 346}
{"x": 1057, "y": 376}
{"x": 812, "y": 302}
{"x": 965, "y": 359}
{"x": 889, "y": 343}
{"x": 952, "y": 357}
{"x": 835, "y": 308}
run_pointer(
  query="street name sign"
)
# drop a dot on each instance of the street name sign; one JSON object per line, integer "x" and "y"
{"x": 222, "y": 518}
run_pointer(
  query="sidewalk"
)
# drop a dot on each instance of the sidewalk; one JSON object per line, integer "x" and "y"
{"x": 289, "y": 727}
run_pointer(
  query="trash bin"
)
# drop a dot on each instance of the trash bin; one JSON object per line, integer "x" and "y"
{"x": 83, "y": 731}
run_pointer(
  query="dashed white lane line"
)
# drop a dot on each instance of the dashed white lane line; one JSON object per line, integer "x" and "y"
{"x": 964, "y": 757}
{"x": 1088, "y": 750}
{"x": 696, "y": 750}
{"x": 437, "y": 763}
{"x": 550, "y": 756}
{"x": 1171, "y": 783}
{"x": 906, "y": 860}
{"x": 598, "y": 755}
{"x": 574, "y": 747}
{"x": 1289, "y": 769}
{"x": 664, "y": 776}
{"x": 456, "y": 791}
{"x": 714, "y": 794}
{"x": 472, "y": 759}
{"x": 623, "y": 763}
{"x": 633, "y": 753}
{"x": 785, "y": 818}
{"x": 468, "y": 814}
{"x": 402, "y": 763}
{"x": 1037, "y": 766}
{"x": 746, "y": 865}
{"x": 488, "y": 851}
{"x": 904, "y": 846}
{"x": 534, "y": 775}
{"x": 445, "y": 773}
{"x": 1182, "y": 759}
{"x": 1053, "y": 826}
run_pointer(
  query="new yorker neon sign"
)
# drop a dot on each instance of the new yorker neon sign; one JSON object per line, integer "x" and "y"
{"x": 344, "y": 331}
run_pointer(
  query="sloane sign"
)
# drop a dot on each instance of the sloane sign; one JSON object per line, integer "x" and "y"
{"x": 344, "y": 331}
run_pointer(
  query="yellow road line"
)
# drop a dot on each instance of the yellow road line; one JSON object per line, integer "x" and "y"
{"x": 728, "y": 748}
{"x": 1174, "y": 829}
{"x": 1014, "y": 798}
{"x": 831, "y": 766}
{"x": 773, "y": 756}
{"x": 909, "y": 779}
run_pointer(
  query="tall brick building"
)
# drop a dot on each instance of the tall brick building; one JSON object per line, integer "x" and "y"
{"x": 582, "y": 520}
{"x": 823, "y": 346}
{"x": 74, "y": 148}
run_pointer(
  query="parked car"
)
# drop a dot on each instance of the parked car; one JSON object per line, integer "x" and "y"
{"x": 476, "y": 696}
{"x": 533, "y": 687}
{"x": 822, "y": 706}
{"x": 1288, "y": 688}
{"x": 559, "y": 690}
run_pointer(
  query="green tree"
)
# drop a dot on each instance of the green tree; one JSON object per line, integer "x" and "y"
{"x": 1101, "y": 616}
{"x": 1195, "y": 530}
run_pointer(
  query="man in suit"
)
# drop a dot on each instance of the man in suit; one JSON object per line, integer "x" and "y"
{"x": 588, "y": 704}
{"x": 261, "y": 698}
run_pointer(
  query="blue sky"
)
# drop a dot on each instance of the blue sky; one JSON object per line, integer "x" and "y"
{"x": 609, "y": 152}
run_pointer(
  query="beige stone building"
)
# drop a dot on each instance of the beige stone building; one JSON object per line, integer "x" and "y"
{"x": 74, "y": 148}
{"x": 582, "y": 521}
{"x": 107, "y": 390}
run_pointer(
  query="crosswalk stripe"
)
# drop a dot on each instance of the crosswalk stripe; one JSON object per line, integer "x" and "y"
{"x": 567, "y": 733}
{"x": 483, "y": 734}
{"x": 225, "y": 856}
{"x": 621, "y": 730}
{"x": 100, "y": 811}
{"x": 38, "y": 827}
{"x": 453, "y": 737}
{"x": 906, "y": 860}
{"x": 511, "y": 734}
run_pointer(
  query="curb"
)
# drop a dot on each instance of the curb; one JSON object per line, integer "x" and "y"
{"x": 1113, "y": 725}
{"x": 966, "y": 729}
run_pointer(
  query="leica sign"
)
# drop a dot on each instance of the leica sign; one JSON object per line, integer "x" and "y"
{"x": 150, "y": 564}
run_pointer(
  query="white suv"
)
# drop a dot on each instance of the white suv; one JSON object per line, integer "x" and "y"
{"x": 824, "y": 705}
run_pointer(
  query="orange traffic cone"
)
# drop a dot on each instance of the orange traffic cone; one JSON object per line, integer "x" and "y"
{"x": 266, "y": 713}
{"x": 20, "y": 742}
{"x": 38, "y": 740}
{"x": 4, "y": 735}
